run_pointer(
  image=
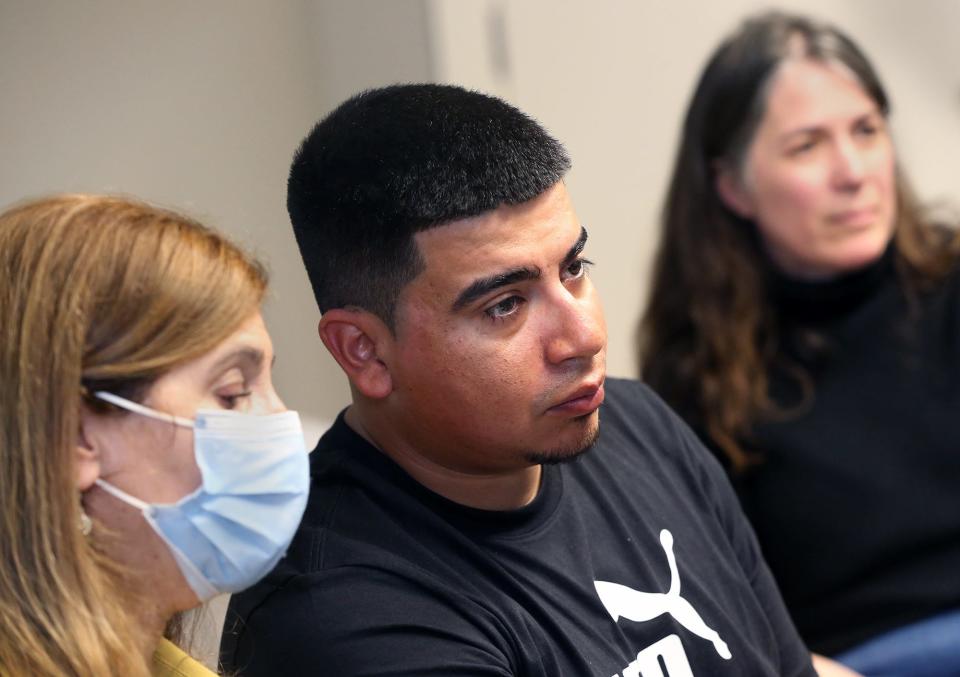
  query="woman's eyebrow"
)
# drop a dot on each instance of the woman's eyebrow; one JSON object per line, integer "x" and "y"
{"x": 253, "y": 357}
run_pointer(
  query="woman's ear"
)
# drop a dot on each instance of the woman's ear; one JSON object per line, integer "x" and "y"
{"x": 86, "y": 458}
{"x": 356, "y": 339}
{"x": 733, "y": 193}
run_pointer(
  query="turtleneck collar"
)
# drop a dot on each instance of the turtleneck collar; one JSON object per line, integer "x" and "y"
{"x": 823, "y": 299}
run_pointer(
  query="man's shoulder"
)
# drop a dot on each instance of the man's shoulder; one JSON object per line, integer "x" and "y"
{"x": 632, "y": 412}
{"x": 343, "y": 616}
{"x": 632, "y": 397}
{"x": 640, "y": 433}
{"x": 364, "y": 513}
{"x": 624, "y": 387}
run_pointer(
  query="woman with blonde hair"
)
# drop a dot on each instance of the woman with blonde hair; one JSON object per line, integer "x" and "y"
{"x": 148, "y": 463}
{"x": 803, "y": 318}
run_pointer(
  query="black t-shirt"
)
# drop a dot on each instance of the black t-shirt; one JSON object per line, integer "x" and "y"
{"x": 633, "y": 560}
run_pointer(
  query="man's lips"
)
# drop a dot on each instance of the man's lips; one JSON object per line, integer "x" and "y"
{"x": 583, "y": 400}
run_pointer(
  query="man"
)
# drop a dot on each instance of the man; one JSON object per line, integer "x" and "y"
{"x": 448, "y": 533}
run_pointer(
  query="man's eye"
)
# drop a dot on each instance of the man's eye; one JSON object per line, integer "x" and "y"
{"x": 504, "y": 308}
{"x": 577, "y": 268}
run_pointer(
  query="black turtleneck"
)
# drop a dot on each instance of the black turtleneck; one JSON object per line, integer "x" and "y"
{"x": 857, "y": 503}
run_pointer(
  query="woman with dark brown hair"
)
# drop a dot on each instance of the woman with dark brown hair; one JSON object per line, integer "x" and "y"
{"x": 805, "y": 319}
{"x": 148, "y": 463}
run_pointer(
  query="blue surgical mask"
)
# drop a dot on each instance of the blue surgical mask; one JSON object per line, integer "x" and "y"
{"x": 237, "y": 525}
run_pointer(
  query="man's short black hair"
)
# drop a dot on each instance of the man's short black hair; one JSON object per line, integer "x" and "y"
{"x": 393, "y": 161}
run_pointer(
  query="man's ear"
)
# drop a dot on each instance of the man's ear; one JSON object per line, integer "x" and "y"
{"x": 357, "y": 339}
{"x": 86, "y": 458}
{"x": 732, "y": 192}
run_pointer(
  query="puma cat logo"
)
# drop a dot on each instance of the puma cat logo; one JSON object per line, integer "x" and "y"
{"x": 634, "y": 605}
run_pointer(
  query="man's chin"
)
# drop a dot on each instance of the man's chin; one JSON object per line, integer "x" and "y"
{"x": 570, "y": 452}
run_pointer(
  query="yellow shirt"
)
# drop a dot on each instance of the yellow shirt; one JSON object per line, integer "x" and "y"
{"x": 169, "y": 660}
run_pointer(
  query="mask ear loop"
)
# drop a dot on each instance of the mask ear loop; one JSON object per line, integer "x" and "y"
{"x": 124, "y": 403}
{"x": 143, "y": 506}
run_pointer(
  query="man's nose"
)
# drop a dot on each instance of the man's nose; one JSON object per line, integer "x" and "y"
{"x": 577, "y": 328}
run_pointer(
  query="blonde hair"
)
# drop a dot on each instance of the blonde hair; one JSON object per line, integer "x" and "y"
{"x": 98, "y": 293}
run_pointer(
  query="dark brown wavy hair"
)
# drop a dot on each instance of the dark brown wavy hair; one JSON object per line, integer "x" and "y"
{"x": 707, "y": 336}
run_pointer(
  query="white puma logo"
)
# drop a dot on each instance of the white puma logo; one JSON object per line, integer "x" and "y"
{"x": 620, "y": 600}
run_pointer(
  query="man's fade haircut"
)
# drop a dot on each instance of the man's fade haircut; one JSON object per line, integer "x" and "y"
{"x": 394, "y": 161}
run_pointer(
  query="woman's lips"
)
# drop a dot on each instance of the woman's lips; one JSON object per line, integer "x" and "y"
{"x": 855, "y": 218}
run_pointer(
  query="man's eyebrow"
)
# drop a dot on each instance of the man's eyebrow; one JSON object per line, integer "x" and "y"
{"x": 577, "y": 247}
{"x": 485, "y": 285}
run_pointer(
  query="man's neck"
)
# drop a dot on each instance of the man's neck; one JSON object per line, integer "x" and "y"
{"x": 495, "y": 491}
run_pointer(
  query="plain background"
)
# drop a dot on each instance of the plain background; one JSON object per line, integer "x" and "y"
{"x": 200, "y": 105}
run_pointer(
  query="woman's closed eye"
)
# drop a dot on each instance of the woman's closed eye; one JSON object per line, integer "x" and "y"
{"x": 231, "y": 401}
{"x": 232, "y": 394}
